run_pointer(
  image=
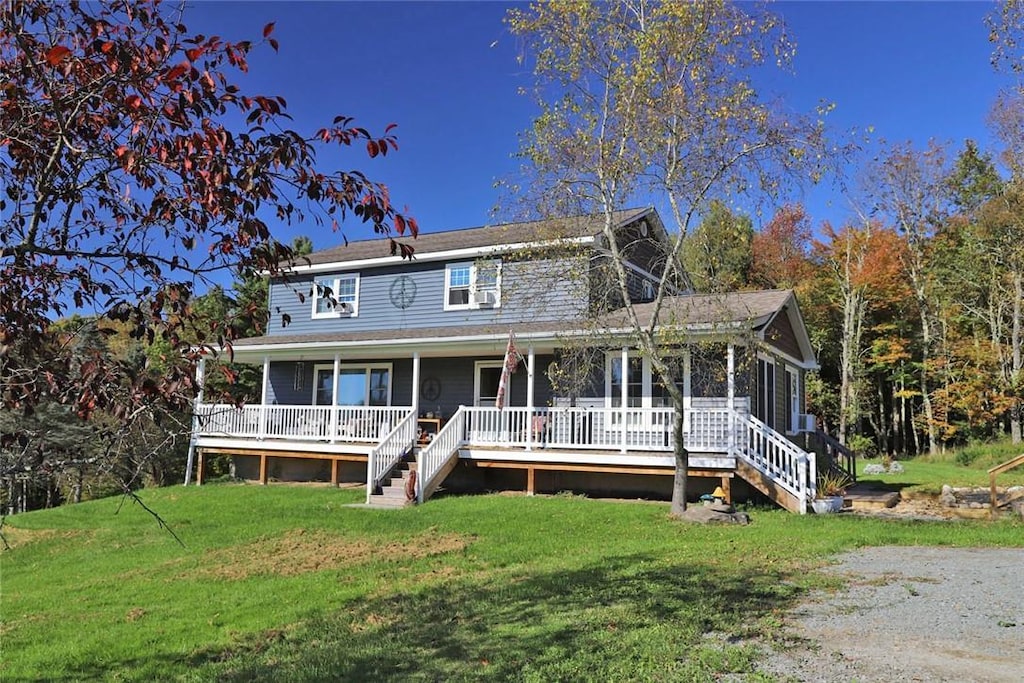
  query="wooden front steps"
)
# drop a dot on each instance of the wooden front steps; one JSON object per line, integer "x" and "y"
{"x": 763, "y": 483}
{"x": 398, "y": 490}
{"x": 860, "y": 497}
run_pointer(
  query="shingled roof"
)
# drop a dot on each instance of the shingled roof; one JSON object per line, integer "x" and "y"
{"x": 751, "y": 308}
{"x": 467, "y": 238}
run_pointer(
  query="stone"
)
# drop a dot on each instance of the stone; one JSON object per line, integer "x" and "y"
{"x": 895, "y": 468}
{"x": 717, "y": 513}
{"x": 874, "y": 468}
{"x": 947, "y": 498}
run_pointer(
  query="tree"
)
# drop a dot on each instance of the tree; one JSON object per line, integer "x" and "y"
{"x": 135, "y": 173}
{"x": 911, "y": 189}
{"x": 718, "y": 255}
{"x": 864, "y": 266}
{"x": 781, "y": 250}
{"x": 655, "y": 100}
{"x": 1006, "y": 33}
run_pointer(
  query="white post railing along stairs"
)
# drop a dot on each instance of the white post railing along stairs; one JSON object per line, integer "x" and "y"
{"x": 434, "y": 456}
{"x": 387, "y": 454}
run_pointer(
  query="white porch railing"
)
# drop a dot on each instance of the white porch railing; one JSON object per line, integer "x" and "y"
{"x": 391, "y": 449}
{"x": 788, "y": 465}
{"x": 367, "y": 424}
{"x": 435, "y": 455}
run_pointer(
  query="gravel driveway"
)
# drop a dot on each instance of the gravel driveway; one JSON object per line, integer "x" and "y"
{"x": 912, "y": 614}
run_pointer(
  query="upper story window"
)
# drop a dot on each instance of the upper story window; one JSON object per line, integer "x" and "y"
{"x": 336, "y": 297}
{"x": 472, "y": 285}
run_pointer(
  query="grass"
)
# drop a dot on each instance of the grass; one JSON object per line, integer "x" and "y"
{"x": 289, "y": 583}
{"x": 968, "y": 466}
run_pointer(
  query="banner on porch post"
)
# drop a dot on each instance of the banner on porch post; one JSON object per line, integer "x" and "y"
{"x": 507, "y": 368}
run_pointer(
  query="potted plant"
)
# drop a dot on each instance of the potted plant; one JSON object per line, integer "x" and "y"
{"x": 832, "y": 484}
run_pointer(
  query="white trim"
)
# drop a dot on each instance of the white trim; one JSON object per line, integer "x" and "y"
{"x": 479, "y": 365}
{"x": 590, "y": 458}
{"x": 284, "y": 445}
{"x": 317, "y": 367}
{"x": 467, "y": 252}
{"x": 552, "y": 336}
{"x": 335, "y": 287}
{"x": 448, "y": 268}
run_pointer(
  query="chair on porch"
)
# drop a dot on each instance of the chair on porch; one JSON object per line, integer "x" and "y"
{"x": 539, "y": 429}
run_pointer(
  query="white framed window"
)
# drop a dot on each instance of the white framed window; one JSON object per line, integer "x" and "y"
{"x": 644, "y": 389}
{"x": 358, "y": 385}
{"x": 336, "y": 297}
{"x": 792, "y": 400}
{"x": 765, "y": 408}
{"x": 472, "y": 285}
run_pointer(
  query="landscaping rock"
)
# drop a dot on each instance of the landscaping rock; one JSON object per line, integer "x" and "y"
{"x": 947, "y": 498}
{"x": 717, "y": 513}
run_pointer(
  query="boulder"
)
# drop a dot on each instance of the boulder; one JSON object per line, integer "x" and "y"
{"x": 716, "y": 513}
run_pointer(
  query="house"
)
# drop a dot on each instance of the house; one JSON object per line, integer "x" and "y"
{"x": 376, "y": 367}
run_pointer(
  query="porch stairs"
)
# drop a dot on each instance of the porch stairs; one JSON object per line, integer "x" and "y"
{"x": 769, "y": 487}
{"x": 775, "y": 466}
{"x": 395, "y": 488}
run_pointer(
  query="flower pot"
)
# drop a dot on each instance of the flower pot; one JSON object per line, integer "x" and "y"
{"x": 826, "y": 505}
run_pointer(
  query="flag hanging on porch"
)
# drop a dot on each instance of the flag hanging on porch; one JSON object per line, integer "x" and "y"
{"x": 507, "y": 368}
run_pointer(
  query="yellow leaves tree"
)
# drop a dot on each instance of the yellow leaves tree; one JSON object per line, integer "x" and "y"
{"x": 643, "y": 101}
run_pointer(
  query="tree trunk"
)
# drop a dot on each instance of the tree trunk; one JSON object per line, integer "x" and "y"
{"x": 926, "y": 398}
{"x": 680, "y": 480}
{"x": 1017, "y": 410}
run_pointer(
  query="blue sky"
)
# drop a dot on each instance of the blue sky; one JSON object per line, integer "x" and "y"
{"x": 447, "y": 74}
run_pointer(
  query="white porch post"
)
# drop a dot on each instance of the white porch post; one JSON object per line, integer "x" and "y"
{"x": 529, "y": 397}
{"x": 687, "y": 393}
{"x": 263, "y": 397}
{"x": 731, "y": 384}
{"x": 200, "y": 381}
{"x": 416, "y": 383}
{"x": 334, "y": 397}
{"x": 624, "y": 394}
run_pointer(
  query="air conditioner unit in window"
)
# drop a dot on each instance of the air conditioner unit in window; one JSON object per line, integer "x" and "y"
{"x": 484, "y": 299}
{"x": 807, "y": 423}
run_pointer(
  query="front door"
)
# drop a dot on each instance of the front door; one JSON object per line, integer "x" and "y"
{"x": 488, "y": 375}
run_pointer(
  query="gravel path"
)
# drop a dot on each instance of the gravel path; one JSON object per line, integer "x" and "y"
{"x": 912, "y": 614}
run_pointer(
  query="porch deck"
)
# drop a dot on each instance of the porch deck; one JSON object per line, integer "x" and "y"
{"x": 721, "y": 440}
{"x": 710, "y": 427}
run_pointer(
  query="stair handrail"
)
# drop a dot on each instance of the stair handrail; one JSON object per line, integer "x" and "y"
{"x": 997, "y": 470}
{"x": 386, "y": 454}
{"x": 433, "y": 457}
{"x": 838, "y": 453}
{"x": 786, "y": 464}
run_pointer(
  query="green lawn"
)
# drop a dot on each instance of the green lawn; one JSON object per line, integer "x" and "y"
{"x": 288, "y": 583}
{"x": 964, "y": 467}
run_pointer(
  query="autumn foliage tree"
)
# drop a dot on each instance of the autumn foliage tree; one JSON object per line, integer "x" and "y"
{"x": 134, "y": 172}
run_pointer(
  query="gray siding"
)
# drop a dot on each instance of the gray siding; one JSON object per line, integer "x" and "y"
{"x": 532, "y": 291}
{"x": 780, "y": 334}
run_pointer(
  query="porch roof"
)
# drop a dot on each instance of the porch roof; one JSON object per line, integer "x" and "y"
{"x": 754, "y": 309}
{"x": 702, "y": 314}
